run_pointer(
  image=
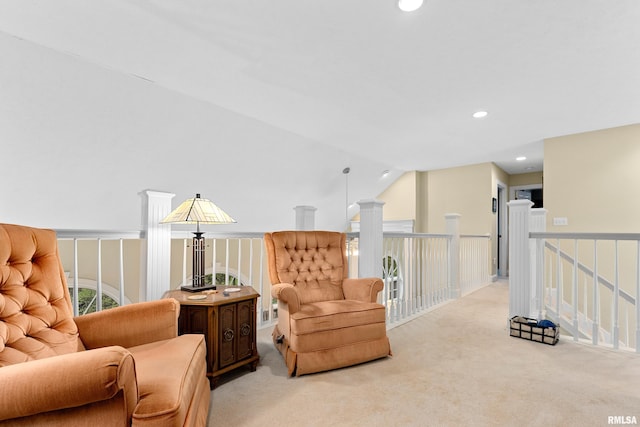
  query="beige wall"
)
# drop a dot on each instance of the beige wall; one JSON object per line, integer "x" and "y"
{"x": 589, "y": 178}
{"x": 407, "y": 199}
{"x": 400, "y": 198}
{"x": 592, "y": 179}
{"x": 531, "y": 178}
{"x": 426, "y": 197}
{"x": 465, "y": 190}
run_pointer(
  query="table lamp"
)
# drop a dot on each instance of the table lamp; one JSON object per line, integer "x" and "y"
{"x": 198, "y": 211}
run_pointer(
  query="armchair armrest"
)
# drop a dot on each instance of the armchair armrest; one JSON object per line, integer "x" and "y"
{"x": 68, "y": 381}
{"x": 288, "y": 294}
{"x": 130, "y": 325}
{"x": 365, "y": 289}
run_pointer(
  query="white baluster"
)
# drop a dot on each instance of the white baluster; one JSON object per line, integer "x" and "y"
{"x": 559, "y": 281}
{"x": 184, "y": 261}
{"x": 121, "y": 253}
{"x": 239, "y": 259}
{"x": 637, "y": 300}
{"x": 596, "y": 297}
{"x": 76, "y": 303}
{"x": 99, "y": 278}
{"x": 214, "y": 263}
{"x": 226, "y": 264}
{"x": 251, "y": 262}
{"x": 453, "y": 228}
{"x": 537, "y": 223}
{"x": 616, "y": 298}
{"x": 574, "y": 291}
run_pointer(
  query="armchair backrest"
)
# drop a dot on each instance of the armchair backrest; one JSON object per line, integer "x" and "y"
{"x": 36, "y": 320}
{"x": 315, "y": 262}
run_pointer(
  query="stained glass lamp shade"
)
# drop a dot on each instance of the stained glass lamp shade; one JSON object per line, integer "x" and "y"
{"x": 198, "y": 211}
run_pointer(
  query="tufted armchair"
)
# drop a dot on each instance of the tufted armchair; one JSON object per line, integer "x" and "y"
{"x": 123, "y": 366}
{"x": 325, "y": 320}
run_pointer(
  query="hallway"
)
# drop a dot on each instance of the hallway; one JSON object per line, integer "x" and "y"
{"x": 456, "y": 365}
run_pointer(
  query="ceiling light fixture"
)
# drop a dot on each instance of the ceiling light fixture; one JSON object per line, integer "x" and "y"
{"x": 480, "y": 114}
{"x": 385, "y": 173}
{"x": 521, "y": 158}
{"x": 409, "y": 5}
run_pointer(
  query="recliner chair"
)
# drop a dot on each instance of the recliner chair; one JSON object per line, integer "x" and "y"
{"x": 325, "y": 320}
{"x": 117, "y": 367}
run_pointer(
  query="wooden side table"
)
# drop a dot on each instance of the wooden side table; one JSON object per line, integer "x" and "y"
{"x": 228, "y": 324}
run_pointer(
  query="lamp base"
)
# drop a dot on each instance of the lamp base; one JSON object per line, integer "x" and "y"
{"x": 197, "y": 288}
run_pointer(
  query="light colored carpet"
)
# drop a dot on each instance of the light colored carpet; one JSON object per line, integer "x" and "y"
{"x": 454, "y": 366}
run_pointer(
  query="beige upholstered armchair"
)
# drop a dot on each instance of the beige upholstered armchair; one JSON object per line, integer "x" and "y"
{"x": 325, "y": 320}
{"x": 122, "y": 366}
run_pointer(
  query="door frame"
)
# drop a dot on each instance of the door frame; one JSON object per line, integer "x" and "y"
{"x": 502, "y": 230}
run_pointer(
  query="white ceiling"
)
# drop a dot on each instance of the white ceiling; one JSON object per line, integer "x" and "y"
{"x": 391, "y": 88}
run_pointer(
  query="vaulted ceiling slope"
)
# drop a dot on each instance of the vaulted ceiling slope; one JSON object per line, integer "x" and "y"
{"x": 260, "y": 105}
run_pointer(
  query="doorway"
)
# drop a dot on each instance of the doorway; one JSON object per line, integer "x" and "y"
{"x": 533, "y": 192}
{"x": 502, "y": 257}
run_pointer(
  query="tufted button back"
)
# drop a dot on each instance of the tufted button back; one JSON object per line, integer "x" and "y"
{"x": 36, "y": 319}
{"x": 313, "y": 261}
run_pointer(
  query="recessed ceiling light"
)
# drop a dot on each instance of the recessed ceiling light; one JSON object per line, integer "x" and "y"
{"x": 480, "y": 114}
{"x": 521, "y": 158}
{"x": 409, "y": 5}
{"x": 385, "y": 173}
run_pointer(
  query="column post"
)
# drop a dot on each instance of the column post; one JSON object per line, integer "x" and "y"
{"x": 155, "y": 251}
{"x": 519, "y": 258}
{"x": 305, "y": 217}
{"x": 371, "y": 239}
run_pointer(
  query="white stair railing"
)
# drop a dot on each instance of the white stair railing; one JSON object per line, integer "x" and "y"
{"x": 591, "y": 285}
{"x": 588, "y": 282}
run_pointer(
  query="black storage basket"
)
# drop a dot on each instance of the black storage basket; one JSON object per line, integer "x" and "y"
{"x": 528, "y": 329}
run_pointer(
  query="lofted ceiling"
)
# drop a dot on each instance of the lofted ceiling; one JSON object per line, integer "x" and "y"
{"x": 385, "y": 89}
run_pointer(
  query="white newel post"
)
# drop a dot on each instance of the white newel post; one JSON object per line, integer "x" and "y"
{"x": 305, "y": 217}
{"x": 537, "y": 223}
{"x": 156, "y": 246}
{"x": 452, "y": 221}
{"x": 371, "y": 239}
{"x": 519, "y": 258}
